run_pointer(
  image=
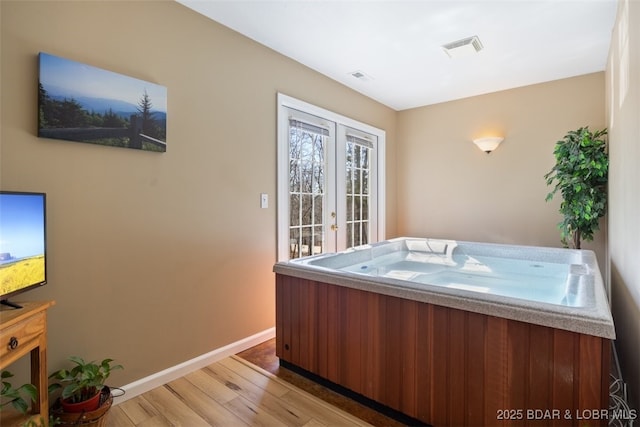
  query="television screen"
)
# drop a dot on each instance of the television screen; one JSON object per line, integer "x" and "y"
{"x": 22, "y": 242}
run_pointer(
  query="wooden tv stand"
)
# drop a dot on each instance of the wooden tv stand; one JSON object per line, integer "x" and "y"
{"x": 24, "y": 331}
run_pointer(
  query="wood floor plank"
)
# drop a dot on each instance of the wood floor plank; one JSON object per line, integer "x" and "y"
{"x": 117, "y": 417}
{"x": 318, "y": 410}
{"x": 284, "y": 411}
{"x": 173, "y": 409}
{"x": 262, "y": 381}
{"x": 213, "y": 412}
{"x": 155, "y": 421}
{"x": 253, "y": 414}
{"x": 259, "y": 394}
{"x": 235, "y": 382}
{"x": 137, "y": 410}
{"x": 314, "y": 423}
{"x": 214, "y": 389}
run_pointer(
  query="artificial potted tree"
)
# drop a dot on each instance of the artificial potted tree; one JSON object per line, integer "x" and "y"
{"x": 580, "y": 175}
{"x": 84, "y": 397}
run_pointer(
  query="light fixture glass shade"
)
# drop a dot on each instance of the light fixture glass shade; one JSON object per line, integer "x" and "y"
{"x": 489, "y": 143}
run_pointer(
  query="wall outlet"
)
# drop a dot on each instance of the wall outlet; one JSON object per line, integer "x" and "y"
{"x": 264, "y": 200}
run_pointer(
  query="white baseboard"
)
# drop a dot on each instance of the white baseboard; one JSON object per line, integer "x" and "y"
{"x": 160, "y": 378}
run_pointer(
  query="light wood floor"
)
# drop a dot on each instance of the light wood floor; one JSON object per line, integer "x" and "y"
{"x": 231, "y": 392}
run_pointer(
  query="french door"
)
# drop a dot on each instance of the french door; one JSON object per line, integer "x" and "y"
{"x": 329, "y": 196}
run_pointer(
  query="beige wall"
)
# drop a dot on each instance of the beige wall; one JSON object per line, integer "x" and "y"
{"x": 448, "y": 188}
{"x": 623, "y": 110}
{"x": 157, "y": 258}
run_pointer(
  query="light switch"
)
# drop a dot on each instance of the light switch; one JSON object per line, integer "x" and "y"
{"x": 264, "y": 200}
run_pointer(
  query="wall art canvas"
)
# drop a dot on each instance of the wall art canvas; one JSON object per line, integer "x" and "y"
{"x": 78, "y": 102}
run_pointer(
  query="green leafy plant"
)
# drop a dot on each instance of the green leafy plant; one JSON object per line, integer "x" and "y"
{"x": 32, "y": 422}
{"x": 16, "y": 396}
{"x": 83, "y": 381}
{"x": 580, "y": 175}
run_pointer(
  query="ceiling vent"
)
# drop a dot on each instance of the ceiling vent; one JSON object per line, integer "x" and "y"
{"x": 361, "y": 75}
{"x": 463, "y": 47}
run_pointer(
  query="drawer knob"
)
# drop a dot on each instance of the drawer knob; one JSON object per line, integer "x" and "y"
{"x": 13, "y": 343}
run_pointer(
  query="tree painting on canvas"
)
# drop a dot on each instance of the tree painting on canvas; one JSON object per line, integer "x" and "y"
{"x": 78, "y": 102}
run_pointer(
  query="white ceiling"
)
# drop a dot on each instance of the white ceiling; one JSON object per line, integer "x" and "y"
{"x": 397, "y": 43}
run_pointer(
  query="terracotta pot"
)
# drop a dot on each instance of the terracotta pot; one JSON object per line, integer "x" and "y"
{"x": 88, "y": 405}
{"x": 95, "y": 418}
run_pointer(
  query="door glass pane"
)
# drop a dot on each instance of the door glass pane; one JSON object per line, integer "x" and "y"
{"x": 364, "y": 159}
{"x": 365, "y": 182}
{"x": 318, "y": 240}
{"x": 307, "y": 188}
{"x": 358, "y": 153}
{"x": 294, "y": 242}
{"x": 365, "y": 208}
{"x": 294, "y": 209}
{"x": 294, "y": 176}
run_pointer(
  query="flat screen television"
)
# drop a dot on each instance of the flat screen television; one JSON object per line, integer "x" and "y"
{"x": 23, "y": 238}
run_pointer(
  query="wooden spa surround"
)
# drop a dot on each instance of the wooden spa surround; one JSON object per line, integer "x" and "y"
{"x": 442, "y": 366}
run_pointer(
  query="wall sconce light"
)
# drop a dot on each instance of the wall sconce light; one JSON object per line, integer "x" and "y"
{"x": 489, "y": 143}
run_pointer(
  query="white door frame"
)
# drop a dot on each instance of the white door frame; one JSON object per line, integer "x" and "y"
{"x": 285, "y": 102}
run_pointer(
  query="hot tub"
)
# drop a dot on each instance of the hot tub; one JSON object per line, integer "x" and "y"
{"x": 548, "y": 286}
{"x": 521, "y": 327}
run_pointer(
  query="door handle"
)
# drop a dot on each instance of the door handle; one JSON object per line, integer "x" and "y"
{"x": 334, "y": 227}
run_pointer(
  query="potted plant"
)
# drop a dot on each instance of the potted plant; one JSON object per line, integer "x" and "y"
{"x": 84, "y": 392}
{"x": 580, "y": 175}
{"x": 17, "y": 397}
